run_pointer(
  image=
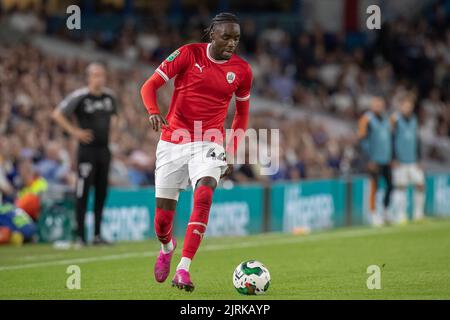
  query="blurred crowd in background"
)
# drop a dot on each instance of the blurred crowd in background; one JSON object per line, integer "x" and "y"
{"x": 313, "y": 70}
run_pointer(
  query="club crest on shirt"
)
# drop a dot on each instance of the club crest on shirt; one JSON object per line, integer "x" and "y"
{"x": 230, "y": 77}
{"x": 173, "y": 55}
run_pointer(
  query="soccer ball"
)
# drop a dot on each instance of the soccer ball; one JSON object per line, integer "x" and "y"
{"x": 251, "y": 278}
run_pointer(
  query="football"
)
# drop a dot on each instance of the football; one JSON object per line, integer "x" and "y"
{"x": 251, "y": 278}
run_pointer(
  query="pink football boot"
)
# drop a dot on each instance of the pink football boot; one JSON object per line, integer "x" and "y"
{"x": 182, "y": 280}
{"x": 162, "y": 265}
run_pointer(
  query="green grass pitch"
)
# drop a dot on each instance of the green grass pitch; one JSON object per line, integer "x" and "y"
{"x": 414, "y": 262}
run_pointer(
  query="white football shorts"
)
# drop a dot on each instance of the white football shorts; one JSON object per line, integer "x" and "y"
{"x": 177, "y": 165}
{"x": 406, "y": 174}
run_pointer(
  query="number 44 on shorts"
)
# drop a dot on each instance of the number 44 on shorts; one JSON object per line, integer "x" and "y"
{"x": 212, "y": 154}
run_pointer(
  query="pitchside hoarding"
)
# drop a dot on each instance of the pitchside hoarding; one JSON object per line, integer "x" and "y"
{"x": 293, "y": 207}
{"x": 437, "y": 194}
{"x": 234, "y": 212}
{"x": 307, "y": 206}
{"x": 321, "y": 204}
{"x": 129, "y": 215}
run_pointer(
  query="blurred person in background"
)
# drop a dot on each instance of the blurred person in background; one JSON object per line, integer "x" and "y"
{"x": 16, "y": 226}
{"x": 94, "y": 106}
{"x": 140, "y": 168}
{"x": 6, "y": 188}
{"x": 406, "y": 159}
{"x": 31, "y": 187}
{"x": 374, "y": 133}
{"x": 53, "y": 167}
{"x": 12, "y": 155}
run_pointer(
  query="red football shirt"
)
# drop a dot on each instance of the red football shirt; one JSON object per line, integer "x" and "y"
{"x": 203, "y": 88}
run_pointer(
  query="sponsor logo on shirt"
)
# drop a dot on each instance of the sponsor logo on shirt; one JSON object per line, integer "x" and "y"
{"x": 91, "y": 106}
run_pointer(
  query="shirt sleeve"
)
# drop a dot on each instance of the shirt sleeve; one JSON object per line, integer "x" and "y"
{"x": 68, "y": 105}
{"x": 113, "y": 100}
{"x": 115, "y": 105}
{"x": 363, "y": 125}
{"x": 174, "y": 64}
{"x": 243, "y": 91}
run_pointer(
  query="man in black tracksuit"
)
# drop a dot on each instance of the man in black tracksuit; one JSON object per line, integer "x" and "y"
{"x": 93, "y": 107}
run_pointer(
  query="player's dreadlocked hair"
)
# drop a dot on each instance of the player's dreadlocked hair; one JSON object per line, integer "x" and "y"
{"x": 218, "y": 19}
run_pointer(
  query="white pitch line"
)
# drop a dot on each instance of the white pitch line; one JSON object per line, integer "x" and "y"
{"x": 248, "y": 244}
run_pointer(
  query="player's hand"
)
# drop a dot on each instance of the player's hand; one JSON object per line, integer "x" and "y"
{"x": 394, "y": 164}
{"x": 157, "y": 121}
{"x": 372, "y": 167}
{"x": 228, "y": 172}
{"x": 84, "y": 135}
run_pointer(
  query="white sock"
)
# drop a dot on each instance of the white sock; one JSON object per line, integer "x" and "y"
{"x": 419, "y": 202}
{"x": 401, "y": 204}
{"x": 168, "y": 247}
{"x": 185, "y": 263}
{"x": 386, "y": 217}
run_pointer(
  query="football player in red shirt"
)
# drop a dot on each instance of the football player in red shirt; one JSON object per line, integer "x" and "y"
{"x": 192, "y": 138}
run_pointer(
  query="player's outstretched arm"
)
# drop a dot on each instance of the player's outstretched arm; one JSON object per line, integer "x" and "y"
{"x": 148, "y": 94}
